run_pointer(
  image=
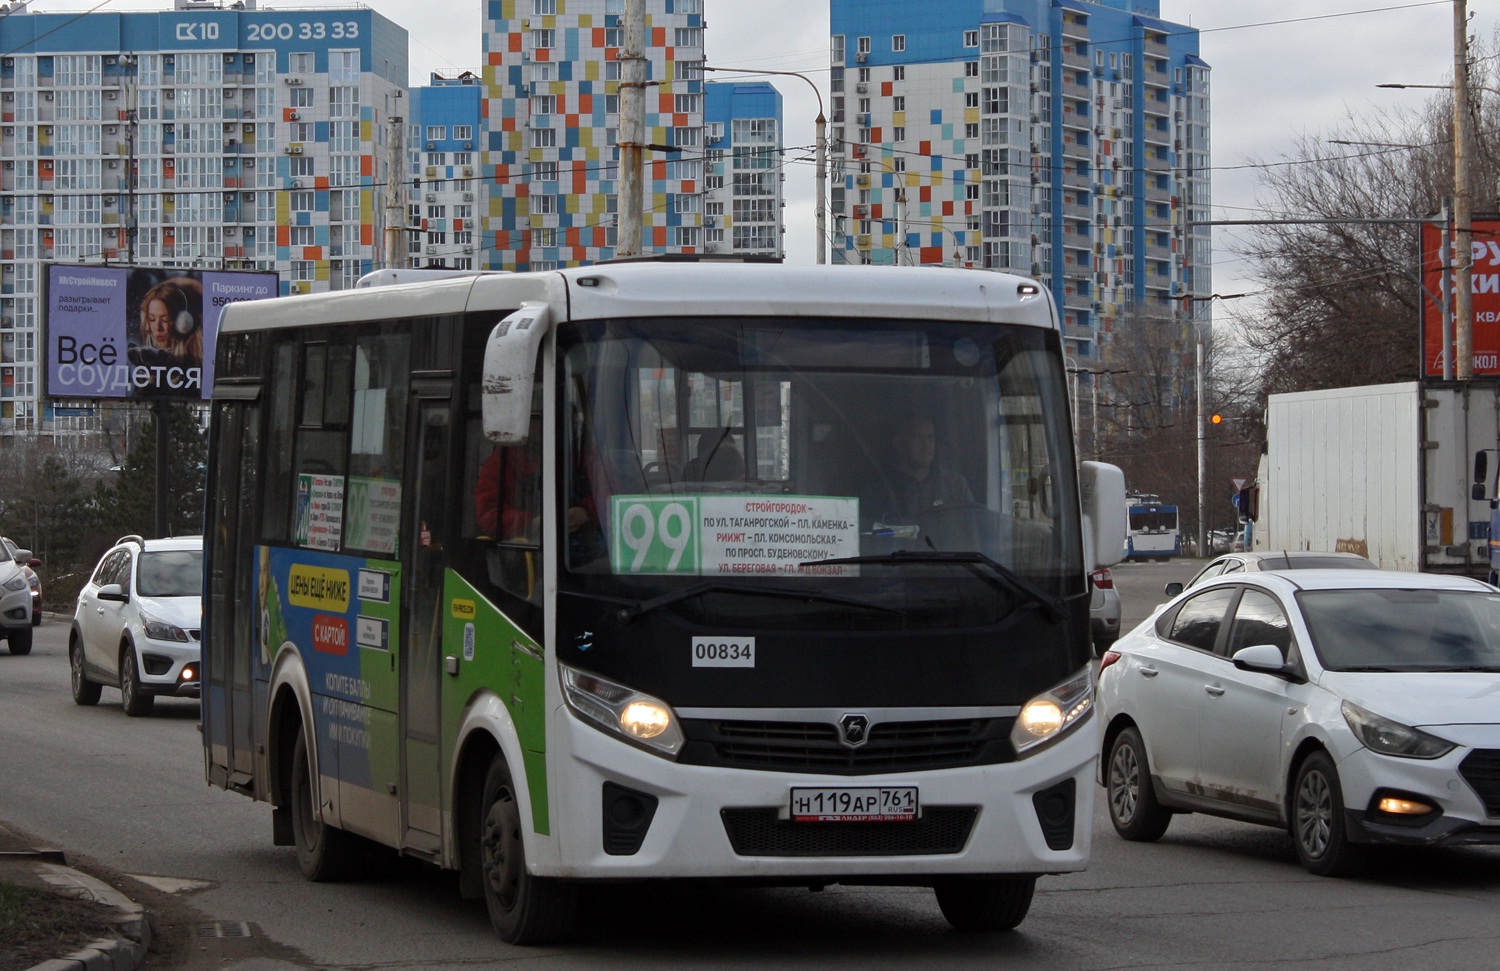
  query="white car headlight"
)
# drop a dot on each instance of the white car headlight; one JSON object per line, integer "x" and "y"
{"x": 16, "y": 582}
{"x": 160, "y": 630}
{"x": 633, "y": 716}
{"x": 1393, "y": 738}
{"x": 1052, "y": 714}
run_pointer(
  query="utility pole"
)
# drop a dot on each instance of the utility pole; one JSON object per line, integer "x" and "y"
{"x": 632, "y": 130}
{"x": 395, "y": 219}
{"x": 1463, "y": 284}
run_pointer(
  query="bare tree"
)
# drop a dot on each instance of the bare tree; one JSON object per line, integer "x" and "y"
{"x": 1343, "y": 293}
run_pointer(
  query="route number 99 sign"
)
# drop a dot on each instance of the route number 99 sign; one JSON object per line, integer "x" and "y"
{"x": 655, "y": 534}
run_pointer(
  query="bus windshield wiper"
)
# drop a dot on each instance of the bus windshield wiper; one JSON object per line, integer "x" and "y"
{"x": 999, "y": 575}
{"x": 627, "y": 614}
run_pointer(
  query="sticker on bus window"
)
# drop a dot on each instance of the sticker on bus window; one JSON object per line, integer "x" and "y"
{"x": 747, "y": 535}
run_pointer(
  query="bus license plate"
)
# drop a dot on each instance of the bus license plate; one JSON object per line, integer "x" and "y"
{"x": 868, "y": 804}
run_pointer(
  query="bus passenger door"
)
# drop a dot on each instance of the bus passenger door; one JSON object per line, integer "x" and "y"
{"x": 425, "y": 563}
{"x": 229, "y": 708}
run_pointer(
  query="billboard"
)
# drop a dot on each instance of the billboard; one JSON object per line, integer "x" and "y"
{"x": 1486, "y": 288}
{"x": 136, "y": 331}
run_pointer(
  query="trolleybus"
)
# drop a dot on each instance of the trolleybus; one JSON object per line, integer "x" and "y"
{"x": 609, "y": 574}
{"x": 1152, "y": 532}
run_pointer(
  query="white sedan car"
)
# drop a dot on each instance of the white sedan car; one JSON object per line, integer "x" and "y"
{"x": 1351, "y": 707}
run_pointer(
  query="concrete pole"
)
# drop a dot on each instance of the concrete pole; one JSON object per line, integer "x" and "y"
{"x": 631, "y": 140}
{"x": 1463, "y": 284}
{"x": 822, "y": 178}
{"x": 395, "y": 219}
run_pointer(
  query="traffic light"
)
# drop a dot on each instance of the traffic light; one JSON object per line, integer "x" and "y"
{"x": 1216, "y": 419}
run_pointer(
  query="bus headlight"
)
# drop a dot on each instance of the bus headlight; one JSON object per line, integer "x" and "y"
{"x": 625, "y": 712}
{"x": 1054, "y": 713}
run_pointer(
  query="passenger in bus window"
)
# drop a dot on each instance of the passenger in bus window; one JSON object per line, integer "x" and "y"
{"x": 508, "y": 495}
{"x": 717, "y": 460}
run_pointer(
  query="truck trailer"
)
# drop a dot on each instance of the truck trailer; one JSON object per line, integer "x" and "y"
{"x": 1386, "y": 471}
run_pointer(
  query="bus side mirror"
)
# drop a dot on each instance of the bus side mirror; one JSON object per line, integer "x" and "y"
{"x": 1101, "y": 491}
{"x": 510, "y": 372}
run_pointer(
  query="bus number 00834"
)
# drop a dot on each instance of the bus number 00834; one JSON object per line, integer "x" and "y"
{"x": 719, "y": 652}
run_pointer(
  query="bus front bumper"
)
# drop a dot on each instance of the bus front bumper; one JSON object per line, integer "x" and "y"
{"x": 1031, "y": 816}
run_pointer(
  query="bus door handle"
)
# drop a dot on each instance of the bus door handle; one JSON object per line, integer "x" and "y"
{"x": 450, "y": 664}
{"x": 1147, "y": 672}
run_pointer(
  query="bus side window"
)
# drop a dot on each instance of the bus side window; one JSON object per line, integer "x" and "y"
{"x": 508, "y": 516}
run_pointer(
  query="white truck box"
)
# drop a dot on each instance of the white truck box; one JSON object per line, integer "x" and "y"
{"x": 1381, "y": 470}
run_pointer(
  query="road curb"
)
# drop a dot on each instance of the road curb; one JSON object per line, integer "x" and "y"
{"x": 123, "y": 952}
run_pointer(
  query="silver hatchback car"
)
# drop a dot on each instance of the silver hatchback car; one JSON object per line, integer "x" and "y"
{"x": 138, "y": 623}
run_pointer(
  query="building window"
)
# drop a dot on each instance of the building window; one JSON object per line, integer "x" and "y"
{"x": 862, "y": 47}
{"x": 898, "y": 103}
{"x": 436, "y": 133}
{"x": 301, "y": 62}
{"x": 898, "y": 133}
{"x": 301, "y": 98}
{"x": 688, "y": 37}
{"x": 544, "y": 137}
{"x": 302, "y": 236}
{"x": 544, "y": 237}
{"x": 544, "y": 171}
{"x": 543, "y": 39}
{"x": 543, "y": 205}
{"x": 543, "y": 104}
{"x": 971, "y": 38}
{"x": 463, "y": 133}
{"x": 687, "y": 104}
{"x": 971, "y": 69}
{"x": 971, "y": 130}
{"x": 898, "y": 73}
{"x": 898, "y": 43}
{"x": 544, "y": 8}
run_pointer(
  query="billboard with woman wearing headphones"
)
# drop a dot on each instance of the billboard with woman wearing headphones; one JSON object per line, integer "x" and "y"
{"x": 138, "y": 332}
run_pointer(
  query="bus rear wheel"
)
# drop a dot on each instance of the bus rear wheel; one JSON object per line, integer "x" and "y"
{"x": 524, "y": 909}
{"x": 324, "y": 853}
{"x": 985, "y": 903}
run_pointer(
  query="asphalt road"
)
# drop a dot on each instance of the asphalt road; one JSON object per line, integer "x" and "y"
{"x": 127, "y": 796}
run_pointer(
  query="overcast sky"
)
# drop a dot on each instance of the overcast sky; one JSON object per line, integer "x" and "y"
{"x": 1280, "y": 68}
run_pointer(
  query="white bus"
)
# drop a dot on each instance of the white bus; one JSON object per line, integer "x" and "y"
{"x": 615, "y": 573}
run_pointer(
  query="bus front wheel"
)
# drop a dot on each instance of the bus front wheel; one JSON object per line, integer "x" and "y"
{"x": 524, "y": 909}
{"x": 985, "y": 903}
{"x": 325, "y": 853}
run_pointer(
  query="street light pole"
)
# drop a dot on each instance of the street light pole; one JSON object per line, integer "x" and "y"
{"x": 821, "y": 154}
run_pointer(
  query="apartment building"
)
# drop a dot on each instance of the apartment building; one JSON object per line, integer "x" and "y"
{"x": 1063, "y": 139}
{"x": 205, "y": 135}
{"x": 448, "y": 192}
{"x": 744, "y": 170}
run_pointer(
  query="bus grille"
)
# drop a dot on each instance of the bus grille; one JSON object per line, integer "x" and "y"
{"x": 815, "y": 747}
{"x": 757, "y": 832}
{"x": 1481, "y": 769}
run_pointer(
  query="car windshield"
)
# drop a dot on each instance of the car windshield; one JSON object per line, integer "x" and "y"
{"x": 1404, "y": 630}
{"x": 171, "y": 573}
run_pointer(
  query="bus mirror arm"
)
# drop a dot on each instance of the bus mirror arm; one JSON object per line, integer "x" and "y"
{"x": 509, "y": 375}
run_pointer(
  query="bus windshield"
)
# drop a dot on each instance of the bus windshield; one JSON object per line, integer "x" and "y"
{"x": 752, "y": 450}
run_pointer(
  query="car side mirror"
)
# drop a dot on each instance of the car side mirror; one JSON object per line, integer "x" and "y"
{"x": 112, "y": 592}
{"x": 1173, "y": 589}
{"x": 1260, "y": 657}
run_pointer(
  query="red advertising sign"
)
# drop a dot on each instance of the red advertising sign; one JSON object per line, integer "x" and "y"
{"x": 1486, "y": 288}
